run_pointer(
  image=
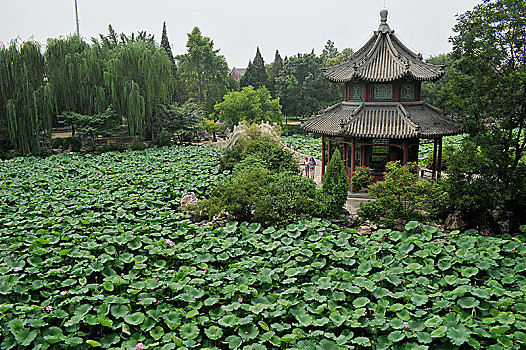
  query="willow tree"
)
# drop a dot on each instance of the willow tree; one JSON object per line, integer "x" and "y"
{"x": 203, "y": 71}
{"x": 139, "y": 77}
{"x": 25, "y": 98}
{"x": 75, "y": 72}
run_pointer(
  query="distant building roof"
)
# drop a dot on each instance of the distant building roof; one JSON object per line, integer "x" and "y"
{"x": 382, "y": 120}
{"x": 238, "y": 71}
{"x": 382, "y": 59}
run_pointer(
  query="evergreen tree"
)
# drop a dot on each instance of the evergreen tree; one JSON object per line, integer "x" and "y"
{"x": 256, "y": 74}
{"x": 165, "y": 44}
{"x": 275, "y": 69}
{"x": 335, "y": 184}
{"x": 329, "y": 51}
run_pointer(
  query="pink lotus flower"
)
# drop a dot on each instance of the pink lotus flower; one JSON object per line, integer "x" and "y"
{"x": 39, "y": 212}
{"x": 405, "y": 324}
{"x": 133, "y": 236}
{"x": 49, "y": 308}
{"x": 140, "y": 346}
{"x": 18, "y": 268}
{"x": 63, "y": 292}
{"x": 119, "y": 208}
{"x": 122, "y": 274}
{"x": 206, "y": 270}
{"x": 321, "y": 233}
{"x": 381, "y": 244}
{"x": 513, "y": 307}
{"x": 313, "y": 288}
{"x": 240, "y": 300}
{"x": 60, "y": 218}
{"x": 12, "y": 255}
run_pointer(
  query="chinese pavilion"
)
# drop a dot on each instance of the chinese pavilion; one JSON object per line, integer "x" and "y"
{"x": 382, "y": 117}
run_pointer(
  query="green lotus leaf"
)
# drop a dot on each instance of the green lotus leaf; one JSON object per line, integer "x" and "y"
{"x": 363, "y": 341}
{"x": 135, "y": 319}
{"x": 23, "y": 336}
{"x": 326, "y": 344}
{"x": 469, "y": 271}
{"x": 411, "y": 225}
{"x": 228, "y": 320}
{"x": 458, "y": 334}
{"x": 419, "y": 299}
{"x": 189, "y": 331}
{"x": 53, "y": 335}
{"x": 434, "y": 321}
{"x": 468, "y": 302}
{"x": 248, "y": 332}
{"x": 520, "y": 336}
{"x": 304, "y": 319}
{"x": 73, "y": 341}
{"x": 234, "y": 341}
{"x": 360, "y": 302}
{"x": 506, "y": 318}
{"x": 214, "y": 332}
{"x": 337, "y": 318}
{"x": 396, "y": 336}
{"x": 119, "y": 311}
{"x": 439, "y": 332}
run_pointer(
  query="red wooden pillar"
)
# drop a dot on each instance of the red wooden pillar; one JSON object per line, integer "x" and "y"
{"x": 406, "y": 152}
{"x": 353, "y": 151}
{"x": 433, "y": 174}
{"x": 439, "y": 175}
{"x": 322, "y": 157}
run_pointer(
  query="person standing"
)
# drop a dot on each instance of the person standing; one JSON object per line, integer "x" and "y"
{"x": 312, "y": 167}
{"x": 307, "y": 166}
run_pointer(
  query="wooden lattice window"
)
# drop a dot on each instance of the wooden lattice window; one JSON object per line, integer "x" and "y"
{"x": 382, "y": 92}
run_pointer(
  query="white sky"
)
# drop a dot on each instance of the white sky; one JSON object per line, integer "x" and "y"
{"x": 238, "y": 26}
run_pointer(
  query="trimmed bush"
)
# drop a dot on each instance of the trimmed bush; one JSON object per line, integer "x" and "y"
{"x": 361, "y": 178}
{"x": 335, "y": 184}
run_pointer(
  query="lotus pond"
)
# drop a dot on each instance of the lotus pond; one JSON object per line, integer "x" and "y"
{"x": 125, "y": 271}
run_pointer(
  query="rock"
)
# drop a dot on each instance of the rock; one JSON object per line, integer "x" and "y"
{"x": 189, "y": 198}
{"x": 454, "y": 222}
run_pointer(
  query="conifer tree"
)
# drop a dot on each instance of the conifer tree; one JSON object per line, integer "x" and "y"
{"x": 275, "y": 69}
{"x": 256, "y": 74}
{"x": 165, "y": 44}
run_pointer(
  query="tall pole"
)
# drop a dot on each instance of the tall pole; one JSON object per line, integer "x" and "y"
{"x": 77, "y": 18}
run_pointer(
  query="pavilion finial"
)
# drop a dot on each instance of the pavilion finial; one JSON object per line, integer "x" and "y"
{"x": 383, "y": 15}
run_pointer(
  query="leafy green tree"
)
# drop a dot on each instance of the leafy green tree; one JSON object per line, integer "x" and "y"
{"x": 76, "y": 74}
{"x": 488, "y": 91}
{"x": 256, "y": 74}
{"x": 301, "y": 87}
{"x": 340, "y": 58}
{"x": 274, "y": 71}
{"x": 139, "y": 77}
{"x": 203, "y": 71}
{"x": 250, "y": 105}
{"x": 182, "y": 120}
{"x": 89, "y": 127}
{"x": 434, "y": 92}
{"x": 329, "y": 51}
{"x": 26, "y": 100}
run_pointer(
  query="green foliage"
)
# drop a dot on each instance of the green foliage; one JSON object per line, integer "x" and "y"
{"x": 202, "y": 71}
{"x": 435, "y": 93}
{"x": 165, "y": 44}
{"x": 25, "y": 99}
{"x": 275, "y": 157}
{"x": 286, "y": 198}
{"x": 301, "y": 87}
{"x": 248, "y": 104}
{"x": 488, "y": 91}
{"x": 335, "y": 184}
{"x": 88, "y": 127}
{"x": 361, "y": 178}
{"x": 473, "y": 189}
{"x": 400, "y": 196}
{"x": 247, "y": 164}
{"x": 448, "y": 152}
{"x": 256, "y": 74}
{"x": 183, "y": 120}
{"x": 274, "y": 71}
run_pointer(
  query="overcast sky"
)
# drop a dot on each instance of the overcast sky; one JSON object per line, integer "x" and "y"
{"x": 239, "y": 26}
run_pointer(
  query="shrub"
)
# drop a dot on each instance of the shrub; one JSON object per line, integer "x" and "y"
{"x": 361, "y": 178}
{"x": 287, "y": 198}
{"x": 138, "y": 146}
{"x": 335, "y": 184}
{"x": 114, "y": 146}
{"x": 73, "y": 143}
{"x": 164, "y": 138}
{"x": 249, "y": 163}
{"x": 276, "y": 158}
{"x": 400, "y": 196}
{"x": 57, "y": 143}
